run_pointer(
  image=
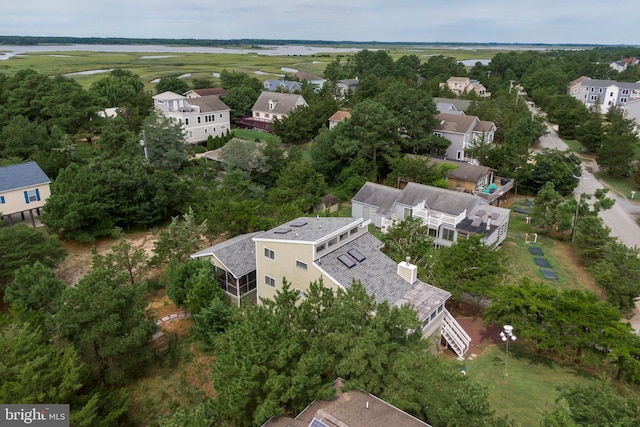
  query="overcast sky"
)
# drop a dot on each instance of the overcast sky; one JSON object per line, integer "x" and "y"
{"x": 501, "y": 21}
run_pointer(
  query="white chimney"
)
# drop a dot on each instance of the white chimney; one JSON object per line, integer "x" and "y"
{"x": 488, "y": 223}
{"x": 408, "y": 271}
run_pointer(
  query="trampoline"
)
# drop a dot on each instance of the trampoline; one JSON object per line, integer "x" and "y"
{"x": 549, "y": 274}
{"x": 536, "y": 251}
{"x": 542, "y": 262}
{"x": 522, "y": 211}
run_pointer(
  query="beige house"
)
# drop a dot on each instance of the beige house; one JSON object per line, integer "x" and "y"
{"x": 23, "y": 188}
{"x": 275, "y": 105}
{"x": 200, "y": 116}
{"x": 339, "y": 251}
{"x": 338, "y": 117}
{"x": 462, "y": 85}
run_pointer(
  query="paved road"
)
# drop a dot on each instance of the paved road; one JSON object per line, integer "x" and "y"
{"x": 621, "y": 217}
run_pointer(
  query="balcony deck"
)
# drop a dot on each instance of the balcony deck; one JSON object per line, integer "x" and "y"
{"x": 506, "y": 185}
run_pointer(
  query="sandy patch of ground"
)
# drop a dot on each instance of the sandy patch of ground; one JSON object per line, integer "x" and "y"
{"x": 78, "y": 261}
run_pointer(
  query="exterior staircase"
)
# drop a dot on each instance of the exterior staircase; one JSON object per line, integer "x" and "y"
{"x": 456, "y": 337}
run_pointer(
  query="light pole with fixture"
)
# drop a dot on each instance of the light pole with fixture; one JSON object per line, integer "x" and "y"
{"x": 143, "y": 143}
{"x": 507, "y": 335}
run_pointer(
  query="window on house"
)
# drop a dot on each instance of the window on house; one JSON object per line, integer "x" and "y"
{"x": 343, "y": 236}
{"x": 321, "y": 247}
{"x": 186, "y": 121}
{"x": 31, "y": 196}
{"x": 408, "y": 212}
{"x": 432, "y": 232}
{"x": 198, "y": 119}
{"x": 190, "y": 134}
{"x": 459, "y": 155}
{"x": 625, "y": 91}
{"x": 257, "y": 114}
{"x": 333, "y": 241}
{"x": 269, "y": 253}
{"x": 623, "y": 99}
{"x": 600, "y": 90}
{"x": 205, "y": 130}
{"x": 440, "y": 307}
{"x": 2, "y": 200}
{"x": 437, "y": 133}
{"x": 447, "y": 234}
{"x": 354, "y": 231}
{"x": 593, "y": 97}
{"x": 270, "y": 281}
{"x": 301, "y": 265}
{"x": 266, "y": 115}
{"x": 220, "y": 115}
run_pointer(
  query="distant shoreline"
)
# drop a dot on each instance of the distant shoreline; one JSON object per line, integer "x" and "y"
{"x": 257, "y": 43}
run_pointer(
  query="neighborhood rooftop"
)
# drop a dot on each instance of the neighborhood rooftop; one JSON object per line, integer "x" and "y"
{"x": 308, "y": 229}
{"x": 237, "y": 254}
{"x": 22, "y": 175}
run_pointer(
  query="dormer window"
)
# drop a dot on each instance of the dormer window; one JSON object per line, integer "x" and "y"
{"x": 272, "y": 104}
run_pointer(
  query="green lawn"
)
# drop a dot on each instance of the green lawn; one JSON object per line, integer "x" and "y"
{"x": 531, "y": 385}
{"x": 252, "y": 135}
{"x": 623, "y": 186}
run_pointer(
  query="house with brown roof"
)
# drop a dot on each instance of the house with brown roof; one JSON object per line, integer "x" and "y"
{"x": 200, "y": 117}
{"x": 338, "y": 117}
{"x": 463, "y": 131}
{"x": 353, "y": 408}
{"x": 462, "y": 85}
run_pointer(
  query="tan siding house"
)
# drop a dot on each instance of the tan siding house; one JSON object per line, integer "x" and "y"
{"x": 23, "y": 188}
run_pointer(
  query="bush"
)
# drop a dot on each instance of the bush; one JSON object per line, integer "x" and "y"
{"x": 199, "y": 149}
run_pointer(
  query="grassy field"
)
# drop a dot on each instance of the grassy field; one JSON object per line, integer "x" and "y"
{"x": 560, "y": 254}
{"x": 153, "y": 66}
{"x": 531, "y": 384}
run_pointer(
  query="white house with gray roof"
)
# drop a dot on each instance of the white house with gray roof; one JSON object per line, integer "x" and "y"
{"x": 603, "y": 94}
{"x": 448, "y": 214}
{"x": 288, "y": 85}
{"x": 23, "y": 188}
{"x": 275, "y": 105}
{"x": 463, "y": 131}
{"x": 339, "y": 251}
{"x": 200, "y": 116}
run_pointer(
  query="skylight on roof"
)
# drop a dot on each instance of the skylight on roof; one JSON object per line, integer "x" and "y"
{"x": 476, "y": 222}
{"x": 299, "y": 224}
{"x": 282, "y": 231}
{"x": 480, "y": 212}
{"x": 356, "y": 255}
{"x": 495, "y": 215}
{"x": 317, "y": 423}
{"x": 347, "y": 261}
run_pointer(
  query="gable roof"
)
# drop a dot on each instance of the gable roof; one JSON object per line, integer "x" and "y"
{"x": 22, "y": 175}
{"x": 236, "y": 254}
{"x": 605, "y": 83}
{"x": 284, "y": 102}
{"x": 484, "y": 126}
{"x": 209, "y": 91}
{"x": 378, "y": 274}
{"x": 439, "y": 199}
{"x": 208, "y": 103}
{"x": 289, "y": 85}
{"x": 456, "y": 123}
{"x": 303, "y": 75}
{"x": 464, "y": 171}
{"x": 460, "y": 104}
{"x": 340, "y": 116}
{"x": 352, "y": 408}
{"x": 381, "y": 196}
{"x": 168, "y": 95}
{"x": 348, "y": 82}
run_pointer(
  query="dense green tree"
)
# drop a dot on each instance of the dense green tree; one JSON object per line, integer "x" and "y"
{"x": 180, "y": 277}
{"x": 202, "y": 83}
{"x": 200, "y": 415}
{"x": 557, "y": 167}
{"x": 123, "y": 258}
{"x": 182, "y": 238}
{"x": 104, "y": 318}
{"x": 300, "y": 185}
{"x": 117, "y": 140}
{"x": 172, "y": 84}
{"x": 618, "y": 145}
{"x": 409, "y": 239}
{"x": 545, "y": 207}
{"x": 591, "y": 237}
{"x": 240, "y": 100}
{"x": 617, "y": 273}
{"x": 468, "y": 266}
{"x": 21, "y": 245}
{"x": 596, "y": 404}
{"x": 418, "y": 169}
{"x": 89, "y": 201}
{"x": 118, "y": 88}
{"x": 213, "y": 320}
{"x": 165, "y": 141}
{"x": 590, "y": 133}
{"x": 34, "y": 287}
{"x": 245, "y": 155}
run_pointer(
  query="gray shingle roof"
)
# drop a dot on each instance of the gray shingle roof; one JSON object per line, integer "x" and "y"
{"x": 464, "y": 171}
{"x": 456, "y": 123}
{"x": 309, "y": 229}
{"x": 236, "y": 254}
{"x": 607, "y": 83}
{"x": 460, "y": 104}
{"x": 208, "y": 103}
{"x": 378, "y": 195}
{"x": 378, "y": 275}
{"x": 284, "y": 102}
{"x": 21, "y": 175}
{"x": 439, "y": 199}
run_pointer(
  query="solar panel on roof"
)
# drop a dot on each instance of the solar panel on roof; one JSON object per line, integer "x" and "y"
{"x": 480, "y": 212}
{"x": 282, "y": 231}
{"x": 356, "y": 255}
{"x": 476, "y": 222}
{"x": 347, "y": 261}
{"x": 299, "y": 224}
{"x": 495, "y": 215}
{"x": 317, "y": 423}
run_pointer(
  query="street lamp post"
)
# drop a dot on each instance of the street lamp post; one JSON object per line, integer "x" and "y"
{"x": 507, "y": 335}
{"x": 143, "y": 143}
